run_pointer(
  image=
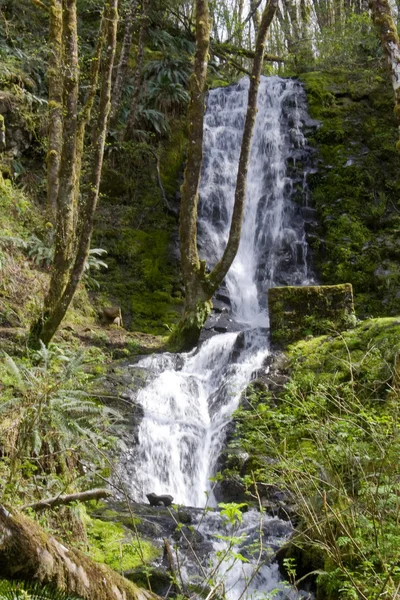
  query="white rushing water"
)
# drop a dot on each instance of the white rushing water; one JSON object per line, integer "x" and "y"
{"x": 190, "y": 398}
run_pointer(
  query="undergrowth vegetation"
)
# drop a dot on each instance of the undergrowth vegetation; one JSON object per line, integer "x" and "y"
{"x": 330, "y": 442}
{"x": 50, "y": 425}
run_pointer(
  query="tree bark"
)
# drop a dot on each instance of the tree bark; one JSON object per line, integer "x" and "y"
{"x": 28, "y": 552}
{"x": 221, "y": 268}
{"x": 72, "y": 249}
{"x": 55, "y": 105}
{"x": 200, "y": 286}
{"x": 138, "y": 79}
{"x": 64, "y": 234}
{"x": 123, "y": 61}
{"x": 387, "y": 32}
{"x": 227, "y": 48}
{"x": 254, "y": 4}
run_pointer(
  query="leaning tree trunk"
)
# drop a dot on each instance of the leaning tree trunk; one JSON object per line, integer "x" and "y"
{"x": 28, "y": 553}
{"x": 64, "y": 234}
{"x": 387, "y": 31}
{"x": 200, "y": 286}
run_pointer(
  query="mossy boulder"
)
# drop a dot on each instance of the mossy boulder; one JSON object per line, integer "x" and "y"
{"x": 296, "y": 312}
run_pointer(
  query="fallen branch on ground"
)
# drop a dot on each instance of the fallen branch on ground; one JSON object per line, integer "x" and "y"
{"x": 96, "y": 494}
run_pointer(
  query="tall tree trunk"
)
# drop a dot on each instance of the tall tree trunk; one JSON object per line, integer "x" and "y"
{"x": 64, "y": 234}
{"x": 55, "y": 105}
{"x": 138, "y": 79}
{"x": 254, "y": 4}
{"x": 31, "y": 554}
{"x": 67, "y": 274}
{"x": 200, "y": 286}
{"x": 123, "y": 61}
{"x": 387, "y": 31}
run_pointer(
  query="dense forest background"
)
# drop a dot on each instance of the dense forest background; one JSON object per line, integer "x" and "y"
{"x": 57, "y": 431}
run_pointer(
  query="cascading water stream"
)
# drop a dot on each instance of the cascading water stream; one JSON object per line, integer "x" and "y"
{"x": 188, "y": 399}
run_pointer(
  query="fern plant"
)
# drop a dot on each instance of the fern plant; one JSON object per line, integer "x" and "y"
{"x": 23, "y": 590}
{"x": 48, "y": 422}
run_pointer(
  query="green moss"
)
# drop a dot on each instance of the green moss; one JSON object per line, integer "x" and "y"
{"x": 134, "y": 227}
{"x": 324, "y": 434}
{"x": 296, "y": 312}
{"x": 112, "y": 544}
{"x": 356, "y": 190}
{"x": 172, "y": 157}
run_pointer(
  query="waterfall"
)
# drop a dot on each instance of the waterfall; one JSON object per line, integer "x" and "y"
{"x": 189, "y": 398}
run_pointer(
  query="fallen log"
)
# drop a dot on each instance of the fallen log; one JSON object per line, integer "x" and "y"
{"x": 96, "y": 494}
{"x": 28, "y": 552}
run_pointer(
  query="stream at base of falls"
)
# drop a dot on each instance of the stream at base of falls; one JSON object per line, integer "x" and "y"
{"x": 188, "y": 399}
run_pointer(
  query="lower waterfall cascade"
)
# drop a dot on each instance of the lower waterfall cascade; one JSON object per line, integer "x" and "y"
{"x": 188, "y": 399}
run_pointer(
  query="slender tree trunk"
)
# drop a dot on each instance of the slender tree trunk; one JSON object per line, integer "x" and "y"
{"x": 29, "y": 553}
{"x": 221, "y": 268}
{"x": 75, "y": 223}
{"x": 387, "y": 31}
{"x": 55, "y": 105}
{"x": 66, "y": 186}
{"x": 254, "y": 4}
{"x": 123, "y": 61}
{"x": 200, "y": 286}
{"x": 138, "y": 79}
{"x": 88, "y": 209}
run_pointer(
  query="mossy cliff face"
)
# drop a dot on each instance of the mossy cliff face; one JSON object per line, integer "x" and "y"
{"x": 138, "y": 231}
{"x": 296, "y": 312}
{"x": 356, "y": 189}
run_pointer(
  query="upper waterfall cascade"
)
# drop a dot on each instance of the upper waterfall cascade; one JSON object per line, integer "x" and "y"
{"x": 189, "y": 398}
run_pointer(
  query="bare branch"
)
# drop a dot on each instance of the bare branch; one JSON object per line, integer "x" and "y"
{"x": 62, "y": 500}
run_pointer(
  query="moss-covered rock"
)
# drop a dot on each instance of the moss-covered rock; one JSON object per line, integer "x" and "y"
{"x": 116, "y": 546}
{"x": 355, "y": 189}
{"x": 296, "y": 312}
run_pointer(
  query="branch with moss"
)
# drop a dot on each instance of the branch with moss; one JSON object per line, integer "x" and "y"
{"x": 226, "y": 48}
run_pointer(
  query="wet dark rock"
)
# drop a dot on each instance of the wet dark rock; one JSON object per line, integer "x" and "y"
{"x": 230, "y": 489}
{"x": 184, "y": 516}
{"x": 223, "y": 298}
{"x": 159, "y": 578}
{"x": 159, "y": 500}
{"x": 220, "y": 329}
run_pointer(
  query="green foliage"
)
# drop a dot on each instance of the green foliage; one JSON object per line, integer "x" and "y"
{"x": 352, "y": 45}
{"x": 231, "y": 511}
{"x": 22, "y": 590}
{"x": 49, "y": 423}
{"x": 112, "y": 544}
{"x": 133, "y": 226}
{"x": 332, "y": 443}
